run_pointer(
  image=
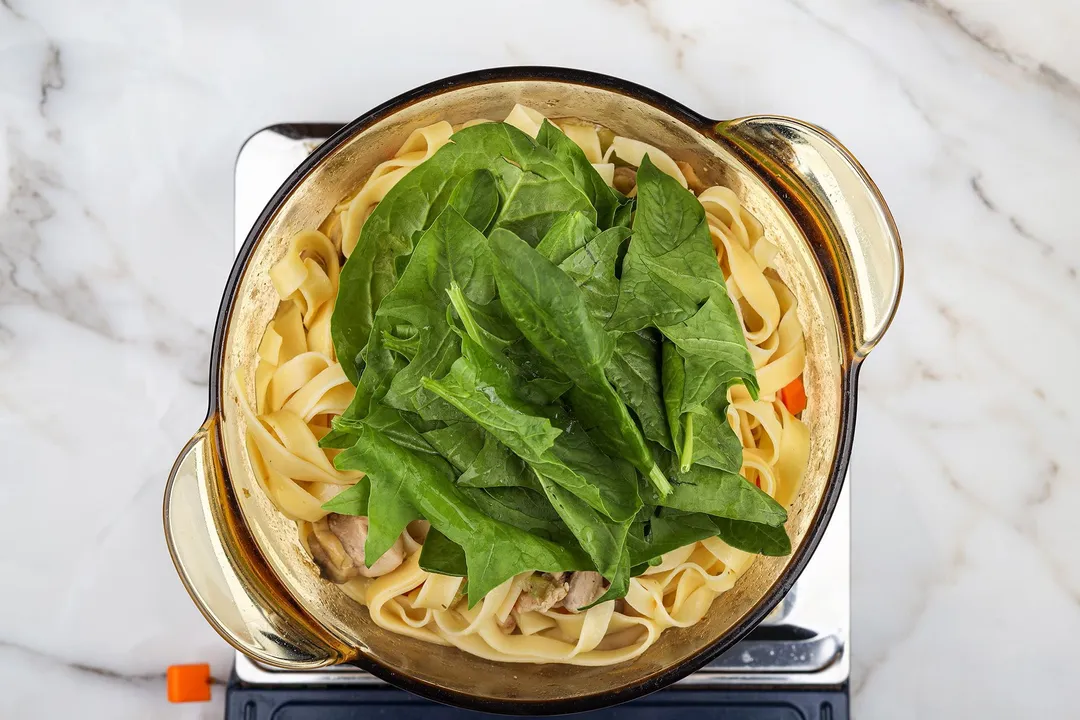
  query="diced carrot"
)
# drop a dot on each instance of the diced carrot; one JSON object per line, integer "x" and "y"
{"x": 188, "y": 683}
{"x": 794, "y": 396}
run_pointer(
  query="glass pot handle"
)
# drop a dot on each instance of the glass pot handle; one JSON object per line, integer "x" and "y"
{"x": 222, "y": 572}
{"x": 832, "y": 190}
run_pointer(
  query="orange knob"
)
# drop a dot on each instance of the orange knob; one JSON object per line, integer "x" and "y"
{"x": 188, "y": 683}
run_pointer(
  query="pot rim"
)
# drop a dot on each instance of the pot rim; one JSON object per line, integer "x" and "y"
{"x": 768, "y": 601}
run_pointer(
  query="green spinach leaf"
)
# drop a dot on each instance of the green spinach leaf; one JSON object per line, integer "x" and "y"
{"x": 533, "y": 202}
{"x": 592, "y": 268}
{"x": 755, "y": 538}
{"x": 386, "y": 239}
{"x": 624, "y": 214}
{"x": 476, "y": 198}
{"x": 672, "y": 281}
{"x": 498, "y": 411}
{"x": 549, "y": 309}
{"x": 665, "y": 532}
{"x": 406, "y": 347}
{"x": 670, "y": 268}
{"x": 619, "y": 582}
{"x": 403, "y": 427}
{"x": 338, "y": 438}
{"x": 352, "y": 501}
{"x": 460, "y": 443}
{"x": 479, "y": 387}
{"x": 634, "y": 367}
{"x": 496, "y": 466}
{"x": 721, "y": 494}
{"x": 532, "y": 378}
{"x": 450, "y": 250}
{"x": 605, "y": 199}
{"x": 388, "y": 509}
{"x": 525, "y": 509}
{"x": 603, "y": 539}
{"x": 494, "y": 551}
{"x": 634, "y": 370}
{"x": 442, "y": 556}
{"x": 567, "y": 235}
{"x": 714, "y": 352}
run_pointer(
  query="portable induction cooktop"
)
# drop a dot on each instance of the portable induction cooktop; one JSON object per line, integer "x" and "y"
{"x": 795, "y": 665}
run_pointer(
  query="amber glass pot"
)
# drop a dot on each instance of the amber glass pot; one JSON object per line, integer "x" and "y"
{"x": 839, "y": 253}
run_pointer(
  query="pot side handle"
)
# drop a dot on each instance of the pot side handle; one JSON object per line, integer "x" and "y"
{"x": 231, "y": 590}
{"x": 807, "y": 162}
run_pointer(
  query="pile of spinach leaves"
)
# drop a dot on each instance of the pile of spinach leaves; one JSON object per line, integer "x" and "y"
{"x": 541, "y": 367}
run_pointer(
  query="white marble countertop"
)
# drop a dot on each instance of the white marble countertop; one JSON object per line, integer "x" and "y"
{"x": 121, "y": 121}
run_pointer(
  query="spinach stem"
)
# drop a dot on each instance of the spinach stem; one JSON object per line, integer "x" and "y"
{"x": 656, "y": 475}
{"x": 457, "y": 299}
{"x": 688, "y": 443}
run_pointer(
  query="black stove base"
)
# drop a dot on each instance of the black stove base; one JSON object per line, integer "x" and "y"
{"x": 248, "y": 702}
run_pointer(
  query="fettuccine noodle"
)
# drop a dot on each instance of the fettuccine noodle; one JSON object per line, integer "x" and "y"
{"x": 299, "y": 387}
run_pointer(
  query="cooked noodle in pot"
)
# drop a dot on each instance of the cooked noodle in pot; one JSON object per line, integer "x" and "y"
{"x": 532, "y": 617}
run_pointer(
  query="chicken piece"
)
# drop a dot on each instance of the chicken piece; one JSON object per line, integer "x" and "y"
{"x": 584, "y": 589}
{"x": 326, "y": 550}
{"x": 625, "y": 179}
{"x": 542, "y": 592}
{"x": 337, "y": 546}
{"x": 352, "y": 531}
